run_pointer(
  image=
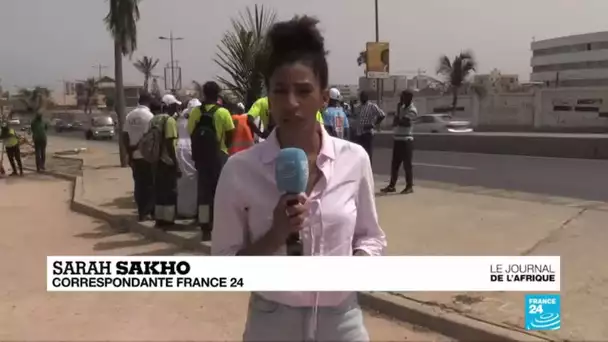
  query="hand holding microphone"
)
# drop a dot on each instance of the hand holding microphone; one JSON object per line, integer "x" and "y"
{"x": 291, "y": 173}
{"x": 289, "y": 214}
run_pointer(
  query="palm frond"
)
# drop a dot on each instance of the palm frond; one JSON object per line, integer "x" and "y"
{"x": 242, "y": 53}
{"x": 121, "y": 21}
{"x": 457, "y": 70}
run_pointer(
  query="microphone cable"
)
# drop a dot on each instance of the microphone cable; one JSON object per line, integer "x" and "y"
{"x": 313, "y": 322}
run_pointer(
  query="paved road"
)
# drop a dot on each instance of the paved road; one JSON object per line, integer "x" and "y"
{"x": 576, "y": 178}
{"x": 29, "y": 313}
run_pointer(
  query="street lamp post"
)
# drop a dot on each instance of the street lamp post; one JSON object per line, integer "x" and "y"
{"x": 379, "y": 81}
{"x": 100, "y": 67}
{"x": 171, "y": 39}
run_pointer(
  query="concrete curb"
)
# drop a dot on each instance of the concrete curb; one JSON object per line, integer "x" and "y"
{"x": 447, "y": 323}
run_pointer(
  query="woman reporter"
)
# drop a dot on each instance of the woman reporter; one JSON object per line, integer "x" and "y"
{"x": 335, "y": 217}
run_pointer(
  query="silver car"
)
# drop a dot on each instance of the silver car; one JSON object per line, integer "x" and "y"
{"x": 102, "y": 127}
{"x": 441, "y": 123}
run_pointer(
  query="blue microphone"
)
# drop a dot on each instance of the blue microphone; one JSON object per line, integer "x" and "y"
{"x": 291, "y": 174}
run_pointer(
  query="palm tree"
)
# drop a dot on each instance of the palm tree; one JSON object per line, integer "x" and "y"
{"x": 34, "y": 99}
{"x": 146, "y": 65}
{"x": 121, "y": 21}
{"x": 155, "y": 90}
{"x": 91, "y": 87}
{"x": 456, "y": 72}
{"x": 362, "y": 59}
{"x": 243, "y": 51}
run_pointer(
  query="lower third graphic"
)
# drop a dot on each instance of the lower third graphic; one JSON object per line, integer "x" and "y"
{"x": 543, "y": 312}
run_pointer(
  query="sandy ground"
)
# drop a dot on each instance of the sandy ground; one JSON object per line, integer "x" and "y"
{"x": 36, "y": 222}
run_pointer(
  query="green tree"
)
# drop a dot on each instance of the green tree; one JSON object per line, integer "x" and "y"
{"x": 146, "y": 66}
{"x": 243, "y": 53}
{"x": 121, "y": 21}
{"x": 456, "y": 72}
{"x": 35, "y": 99}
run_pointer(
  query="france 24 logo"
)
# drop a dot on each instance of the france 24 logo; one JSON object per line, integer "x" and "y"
{"x": 543, "y": 312}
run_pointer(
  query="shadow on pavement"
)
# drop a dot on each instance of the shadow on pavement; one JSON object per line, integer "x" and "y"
{"x": 102, "y": 231}
{"x": 121, "y": 203}
{"x": 164, "y": 251}
{"x": 110, "y": 245}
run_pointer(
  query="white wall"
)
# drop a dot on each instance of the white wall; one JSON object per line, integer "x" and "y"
{"x": 507, "y": 109}
{"x": 429, "y": 105}
{"x": 531, "y": 110}
{"x": 573, "y": 98}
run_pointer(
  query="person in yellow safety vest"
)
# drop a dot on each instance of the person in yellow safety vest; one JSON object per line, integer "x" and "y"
{"x": 261, "y": 109}
{"x": 243, "y": 137}
{"x": 11, "y": 145}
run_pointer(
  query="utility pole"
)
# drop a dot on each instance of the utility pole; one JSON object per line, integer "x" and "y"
{"x": 379, "y": 81}
{"x": 171, "y": 39}
{"x": 99, "y": 67}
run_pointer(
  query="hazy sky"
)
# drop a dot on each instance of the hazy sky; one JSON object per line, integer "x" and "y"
{"x": 44, "y": 41}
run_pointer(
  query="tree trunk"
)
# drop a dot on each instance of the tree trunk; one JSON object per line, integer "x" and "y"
{"x": 120, "y": 101}
{"x": 146, "y": 80}
{"x": 454, "y": 100}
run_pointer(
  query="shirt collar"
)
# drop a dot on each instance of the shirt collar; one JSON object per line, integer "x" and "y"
{"x": 272, "y": 147}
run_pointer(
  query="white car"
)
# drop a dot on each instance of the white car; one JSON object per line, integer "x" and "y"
{"x": 440, "y": 123}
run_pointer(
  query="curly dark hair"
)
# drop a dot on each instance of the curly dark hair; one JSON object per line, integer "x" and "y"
{"x": 297, "y": 40}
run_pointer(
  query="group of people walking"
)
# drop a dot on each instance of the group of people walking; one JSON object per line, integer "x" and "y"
{"x": 177, "y": 151}
{"x": 195, "y": 139}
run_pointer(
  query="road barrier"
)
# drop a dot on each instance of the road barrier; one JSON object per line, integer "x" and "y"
{"x": 583, "y": 146}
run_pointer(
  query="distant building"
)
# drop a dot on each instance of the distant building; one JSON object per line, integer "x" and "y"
{"x": 106, "y": 92}
{"x": 390, "y": 87}
{"x": 571, "y": 61}
{"x": 497, "y": 82}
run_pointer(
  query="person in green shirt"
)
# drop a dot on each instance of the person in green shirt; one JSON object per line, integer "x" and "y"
{"x": 11, "y": 145}
{"x": 166, "y": 171}
{"x": 39, "y": 128}
{"x": 261, "y": 110}
{"x": 209, "y": 163}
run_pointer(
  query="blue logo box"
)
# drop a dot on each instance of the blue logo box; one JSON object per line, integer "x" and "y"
{"x": 543, "y": 312}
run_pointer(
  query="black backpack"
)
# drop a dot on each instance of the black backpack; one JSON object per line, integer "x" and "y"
{"x": 205, "y": 146}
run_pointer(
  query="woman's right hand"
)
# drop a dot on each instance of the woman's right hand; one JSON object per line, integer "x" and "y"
{"x": 289, "y": 217}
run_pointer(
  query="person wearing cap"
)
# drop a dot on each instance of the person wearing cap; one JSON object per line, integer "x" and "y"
{"x": 334, "y": 117}
{"x": 166, "y": 170}
{"x": 135, "y": 127}
{"x": 187, "y": 183}
{"x": 243, "y": 136}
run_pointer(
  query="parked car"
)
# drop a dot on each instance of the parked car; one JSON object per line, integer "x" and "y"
{"x": 77, "y": 126}
{"x": 441, "y": 123}
{"x": 63, "y": 126}
{"x": 100, "y": 127}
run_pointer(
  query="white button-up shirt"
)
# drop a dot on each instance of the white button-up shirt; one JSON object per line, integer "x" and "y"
{"x": 342, "y": 214}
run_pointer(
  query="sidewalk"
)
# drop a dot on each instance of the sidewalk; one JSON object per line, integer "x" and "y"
{"x": 449, "y": 220}
{"x": 30, "y": 313}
